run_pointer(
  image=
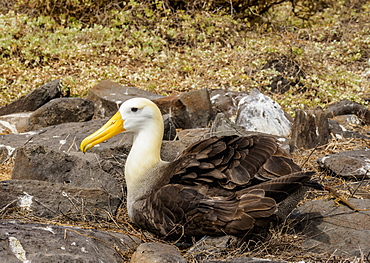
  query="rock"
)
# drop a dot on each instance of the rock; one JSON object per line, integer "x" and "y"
{"x": 7, "y": 128}
{"x": 45, "y": 243}
{"x": 157, "y": 253}
{"x": 291, "y": 73}
{"x": 171, "y": 149}
{"x": 193, "y": 135}
{"x": 34, "y": 99}
{"x": 37, "y": 162}
{"x": 225, "y": 101}
{"x": 348, "y": 107}
{"x": 64, "y": 137}
{"x": 335, "y": 230}
{"x": 310, "y": 129}
{"x": 61, "y": 110}
{"x": 108, "y": 96}
{"x": 222, "y": 126}
{"x": 14, "y": 123}
{"x": 347, "y": 120}
{"x": 188, "y": 110}
{"x": 341, "y": 132}
{"x": 48, "y": 200}
{"x": 348, "y": 164}
{"x": 257, "y": 112}
{"x": 211, "y": 247}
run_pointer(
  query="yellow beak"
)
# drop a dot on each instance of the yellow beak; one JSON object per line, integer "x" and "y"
{"x": 113, "y": 127}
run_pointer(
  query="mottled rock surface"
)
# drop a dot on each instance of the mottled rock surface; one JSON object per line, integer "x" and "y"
{"x": 46, "y": 243}
{"x": 35, "y": 99}
{"x": 337, "y": 230}
{"x": 157, "y": 253}
{"x": 36, "y": 162}
{"x": 348, "y": 164}
{"x": 49, "y": 200}
{"x": 61, "y": 110}
{"x": 257, "y": 112}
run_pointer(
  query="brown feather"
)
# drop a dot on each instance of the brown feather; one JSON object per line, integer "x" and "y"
{"x": 221, "y": 186}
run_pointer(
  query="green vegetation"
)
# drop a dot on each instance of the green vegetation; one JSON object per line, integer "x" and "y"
{"x": 164, "y": 50}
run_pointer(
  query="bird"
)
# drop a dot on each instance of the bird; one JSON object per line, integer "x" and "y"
{"x": 227, "y": 185}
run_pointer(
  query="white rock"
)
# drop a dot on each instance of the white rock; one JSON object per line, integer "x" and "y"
{"x": 257, "y": 112}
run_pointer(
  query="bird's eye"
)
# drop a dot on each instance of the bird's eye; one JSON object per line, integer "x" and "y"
{"x": 134, "y": 109}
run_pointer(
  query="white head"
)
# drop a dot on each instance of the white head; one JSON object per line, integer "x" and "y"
{"x": 136, "y": 115}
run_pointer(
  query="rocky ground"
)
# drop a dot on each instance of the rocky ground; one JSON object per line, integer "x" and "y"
{"x": 57, "y": 204}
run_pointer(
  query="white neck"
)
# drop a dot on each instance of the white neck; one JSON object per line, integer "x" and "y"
{"x": 144, "y": 155}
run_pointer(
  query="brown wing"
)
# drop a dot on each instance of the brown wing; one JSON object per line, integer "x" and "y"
{"x": 233, "y": 161}
{"x": 221, "y": 185}
{"x": 176, "y": 210}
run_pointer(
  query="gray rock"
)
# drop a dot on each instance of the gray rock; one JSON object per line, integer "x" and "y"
{"x": 64, "y": 137}
{"x": 37, "y": 162}
{"x": 349, "y": 107}
{"x": 45, "y": 243}
{"x": 34, "y": 99}
{"x": 222, "y": 126}
{"x": 341, "y": 132}
{"x": 347, "y": 120}
{"x": 61, "y": 110}
{"x": 335, "y": 230}
{"x": 349, "y": 164}
{"x": 48, "y": 200}
{"x": 108, "y": 96}
{"x": 257, "y": 112}
{"x": 157, "y": 253}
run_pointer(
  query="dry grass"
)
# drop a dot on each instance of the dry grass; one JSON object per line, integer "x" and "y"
{"x": 6, "y": 170}
{"x": 168, "y": 53}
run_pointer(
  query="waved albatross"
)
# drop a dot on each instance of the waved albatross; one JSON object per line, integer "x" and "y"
{"x": 217, "y": 186}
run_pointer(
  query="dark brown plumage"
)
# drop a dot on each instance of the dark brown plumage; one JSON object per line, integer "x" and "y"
{"x": 220, "y": 186}
{"x": 227, "y": 185}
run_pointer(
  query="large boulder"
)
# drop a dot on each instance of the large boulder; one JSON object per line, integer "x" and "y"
{"x": 49, "y": 200}
{"x": 45, "y": 243}
{"x": 61, "y": 110}
{"x": 37, "y": 162}
{"x": 335, "y": 230}
{"x": 259, "y": 113}
{"x": 34, "y": 99}
{"x": 348, "y": 164}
